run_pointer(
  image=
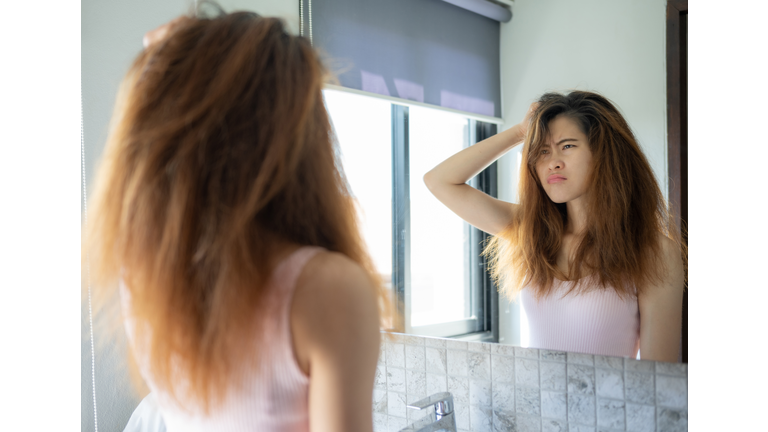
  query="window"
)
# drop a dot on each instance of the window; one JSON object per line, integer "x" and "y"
{"x": 440, "y": 285}
{"x": 363, "y": 128}
{"x": 428, "y": 255}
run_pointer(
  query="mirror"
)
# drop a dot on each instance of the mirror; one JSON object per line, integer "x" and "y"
{"x": 615, "y": 49}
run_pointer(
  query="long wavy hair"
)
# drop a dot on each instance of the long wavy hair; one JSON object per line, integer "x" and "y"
{"x": 220, "y": 149}
{"x": 627, "y": 214}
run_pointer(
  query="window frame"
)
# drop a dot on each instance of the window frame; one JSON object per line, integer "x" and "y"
{"x": 483, "y": 325}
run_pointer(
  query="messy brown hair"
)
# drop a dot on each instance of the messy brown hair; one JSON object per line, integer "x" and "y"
{"x": 220, "y": 149}
{"x": 627, "y": 213}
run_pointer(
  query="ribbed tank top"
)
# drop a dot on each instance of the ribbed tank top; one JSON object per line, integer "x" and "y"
{"x": 272, "y": 398}
{"x": 595, "y": 322}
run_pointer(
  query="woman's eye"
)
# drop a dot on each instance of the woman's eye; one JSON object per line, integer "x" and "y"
{"x": 568, "y": 145}
{"x": 544, "y": 152}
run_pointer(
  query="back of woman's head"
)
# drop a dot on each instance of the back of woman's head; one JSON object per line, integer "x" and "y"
{"x": 626, "y": 211}
{"x": 220, "y": 149}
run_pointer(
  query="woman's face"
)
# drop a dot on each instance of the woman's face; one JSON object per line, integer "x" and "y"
{"x": 565, "y": 161}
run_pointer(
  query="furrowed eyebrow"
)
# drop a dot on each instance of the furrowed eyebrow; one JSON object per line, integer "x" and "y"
{"x": 566, "y": 140}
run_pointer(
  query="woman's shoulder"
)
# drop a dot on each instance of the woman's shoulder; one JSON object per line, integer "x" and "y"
{"x": 670, "y": 274}
{"x": 666, "y": 243}
{"x": 330, "y": 284}
{"x": 670, "y": 251}
{"x": 334, "y": 309}
{"x": 328, "y": 270}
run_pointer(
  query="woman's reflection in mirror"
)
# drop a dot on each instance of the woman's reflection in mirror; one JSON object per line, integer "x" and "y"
{"x": 590, "y": 249}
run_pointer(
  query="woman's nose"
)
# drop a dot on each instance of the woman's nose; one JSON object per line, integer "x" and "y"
{"x": 556, "y": 164}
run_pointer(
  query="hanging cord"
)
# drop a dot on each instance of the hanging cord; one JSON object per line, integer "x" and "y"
{"x": 301, "y": 17}
{"x": 302, "y": 32}
{"x": 88, "y": 266}
{"x": 310, "y": 22}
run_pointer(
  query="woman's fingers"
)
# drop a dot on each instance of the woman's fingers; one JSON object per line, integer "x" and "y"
{"x": 525, "y": 124}
{"x": 158, "y": 34}
{"x": 531, "y": 109}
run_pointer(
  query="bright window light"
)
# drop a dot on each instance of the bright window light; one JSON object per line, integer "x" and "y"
{"x": 440, "y": 288}
{"x": 364, "y": 130}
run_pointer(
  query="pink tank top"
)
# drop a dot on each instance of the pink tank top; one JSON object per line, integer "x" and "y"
{"x": 273, "y": 398}
{"x": 597, "y": 322}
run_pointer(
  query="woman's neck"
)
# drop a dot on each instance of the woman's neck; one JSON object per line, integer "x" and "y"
{"x": 577, "y": 216}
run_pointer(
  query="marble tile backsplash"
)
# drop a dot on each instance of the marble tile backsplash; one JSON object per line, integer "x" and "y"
{"x": 503, "y": 388}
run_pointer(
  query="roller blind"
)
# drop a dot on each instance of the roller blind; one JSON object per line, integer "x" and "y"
{"x": 427, "y": 51}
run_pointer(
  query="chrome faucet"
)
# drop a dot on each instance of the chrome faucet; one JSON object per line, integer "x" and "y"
{"x": 442, "y": 419}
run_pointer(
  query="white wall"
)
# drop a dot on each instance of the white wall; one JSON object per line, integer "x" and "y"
{"x": 112, "y": 32}
{"x": 609, "y": 46}
{"x": 111, "y": 37}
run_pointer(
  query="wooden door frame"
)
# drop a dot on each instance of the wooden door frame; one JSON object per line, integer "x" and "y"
{"x": 677, "y": 134}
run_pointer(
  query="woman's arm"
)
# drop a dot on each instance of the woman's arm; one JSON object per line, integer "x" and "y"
{"x": 447, "y": 181}
{"x": 661, "y": 309}
{"x": 335, "y": 327}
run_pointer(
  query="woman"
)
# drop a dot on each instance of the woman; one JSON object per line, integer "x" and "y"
{"x": 589, "y": 247}
{"x": 249, "y": 299}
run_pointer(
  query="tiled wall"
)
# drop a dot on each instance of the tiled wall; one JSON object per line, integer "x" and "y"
{"x": 504, "y": 388}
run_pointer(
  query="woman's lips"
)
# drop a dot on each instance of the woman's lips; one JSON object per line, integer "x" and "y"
{"x": 554, "y": 178}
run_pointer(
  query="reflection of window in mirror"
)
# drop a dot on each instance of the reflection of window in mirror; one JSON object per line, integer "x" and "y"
{"x": 440, "y": 284}
{"x": 432, "y": 266}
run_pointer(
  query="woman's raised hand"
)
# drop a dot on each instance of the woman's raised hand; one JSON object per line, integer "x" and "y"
{"x": 158, "y": 34}
{"x": 447, "y": 181}
{"x": 524, "y": 125}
